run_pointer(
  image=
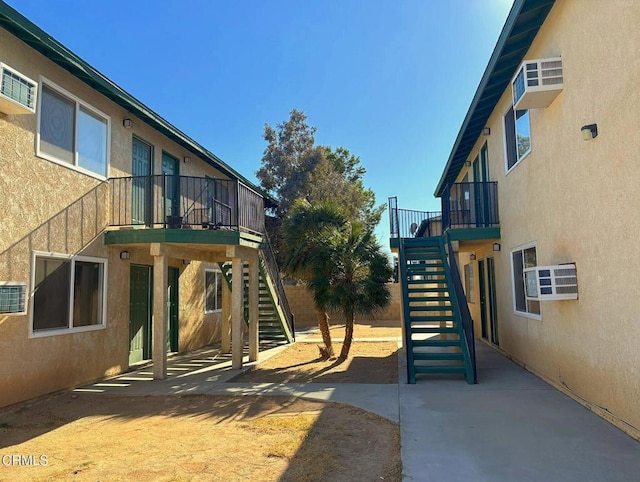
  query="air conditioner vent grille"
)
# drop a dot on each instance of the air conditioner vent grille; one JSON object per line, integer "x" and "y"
{"x": 537, "y": 83}
{"x": 17, "y": 92}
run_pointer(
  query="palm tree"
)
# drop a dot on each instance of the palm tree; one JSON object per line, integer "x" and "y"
{"x": 305, "y": 254}
{"x": 341, "y": 262}
{"x": 355, "y": 275}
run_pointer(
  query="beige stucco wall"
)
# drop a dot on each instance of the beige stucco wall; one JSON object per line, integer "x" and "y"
{"x": 52, "y": 208}
{"x": 577, "y": 200}
{"x": 302, "y": 306}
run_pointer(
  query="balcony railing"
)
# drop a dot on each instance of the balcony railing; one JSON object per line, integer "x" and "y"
{"x": 470, "y": 205}
{"x": 406, "y": 223}
{"x": 464, "y": 205}
{"x": 166, "y": 201}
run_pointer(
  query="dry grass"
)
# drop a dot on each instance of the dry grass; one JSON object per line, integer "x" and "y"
{"x": 96, "y": 437}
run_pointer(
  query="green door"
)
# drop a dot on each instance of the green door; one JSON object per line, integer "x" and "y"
{"x": 493, "y": 305}
{"x": 483, "y": 299}
{"x": 172, "y": 325}
{"x": 140, "y": 306}
{"x": 170, "y": 169}
{"x": 142, "y": 154}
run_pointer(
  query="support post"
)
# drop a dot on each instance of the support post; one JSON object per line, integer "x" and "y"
{"x": 254, "y": 300}
{"x": 160, "y": 299}
{"x": 226, "y": 318}
{"x": 237, "y": 312}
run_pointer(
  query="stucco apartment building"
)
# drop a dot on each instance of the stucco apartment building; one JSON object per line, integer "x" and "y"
{"x": 121, "y": 238}
{"x": 540, "y": 199}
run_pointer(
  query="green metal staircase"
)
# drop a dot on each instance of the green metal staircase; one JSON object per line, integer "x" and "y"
{"x": 274, "y": 320}
{"x": 435, "y": 339}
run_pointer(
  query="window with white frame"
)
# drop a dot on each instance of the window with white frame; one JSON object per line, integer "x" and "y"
{"x": 524, "y": 298}
{"x": 517, "y": 133}
{"x": 469, "y": 287}
{"x": 212, "y": 290}
{"x": 69, "y": 293}
{"x": 71, "y": 132}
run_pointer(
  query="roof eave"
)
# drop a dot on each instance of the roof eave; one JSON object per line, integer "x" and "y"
{"x": 38, "y": 39}
{"x": 456, "y": 158}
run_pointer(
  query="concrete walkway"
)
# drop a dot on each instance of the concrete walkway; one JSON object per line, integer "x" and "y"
{"x": 510, "y": 427}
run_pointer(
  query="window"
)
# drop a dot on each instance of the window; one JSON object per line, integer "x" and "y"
{"x": 12, "y": 298}
{"x": 525, "y": 297}
{"x": 212, "y": 290}
{"x": 517, "y": 133}
{"x": 469, "y": 287}
{"x": 68, "y": 293}
{"x": 72, "y": 133}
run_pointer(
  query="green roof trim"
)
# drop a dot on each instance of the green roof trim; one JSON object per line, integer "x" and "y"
{"x": 38, "y": 39}
{"x": 521, "y": 27}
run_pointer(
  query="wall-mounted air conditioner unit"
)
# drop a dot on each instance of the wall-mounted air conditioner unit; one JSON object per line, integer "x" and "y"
{"x": 537, "y": 83}
{"x": 558, "y": 282}
{"x": 13, "y": 297}
{"x": 17, "y": 92}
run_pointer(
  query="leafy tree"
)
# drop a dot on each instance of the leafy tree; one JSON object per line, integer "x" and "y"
{"x": 293, "y": 167}
{"x": 338, "y": 176}
{"x": 286, "y": 160}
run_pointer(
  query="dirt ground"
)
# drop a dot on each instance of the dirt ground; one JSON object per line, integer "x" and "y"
{"x": 195, "y": 438}
{"x": 368, "y": 362}
{"x": 90, "y": 437}
{"x": 361, "y": 329}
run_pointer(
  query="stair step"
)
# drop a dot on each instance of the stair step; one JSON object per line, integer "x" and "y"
{"x": 432, "y": 342}
{"x": 433, "y": 289}
{"x": 433, "y": 318}
{"x": 430, "y": 264}
{"x": 427, "y": 282}
{"x": 433, "y": 329}
{"x": 431, "y": 308}
{"x": 437, "y": 356}
{"x": 439, "y": 369}
{"x": 428, "y": 298}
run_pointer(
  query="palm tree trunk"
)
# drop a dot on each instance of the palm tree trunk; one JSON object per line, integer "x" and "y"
{"x": 323, "y": 324}
{"x": 348, "y": 335}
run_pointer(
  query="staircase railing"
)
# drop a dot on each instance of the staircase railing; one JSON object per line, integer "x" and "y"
{"x": 465, "y": 314}
{"x": 406, "y": 313}
{"x": 271, "y": 265}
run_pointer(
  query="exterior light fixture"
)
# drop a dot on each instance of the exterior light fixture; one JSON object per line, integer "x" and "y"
{"x": 589, "y": 131}
{"x": 472, "y": 256}
{"x": 127, "y": 123}
{"x": 486, "y": 131}
{"x": 125, "y": 255}
{"x": 186, "y": 262}
{"x": 467, "y": 163}
{"x": 186, "y": 159}
{"x": 496, "y": 246}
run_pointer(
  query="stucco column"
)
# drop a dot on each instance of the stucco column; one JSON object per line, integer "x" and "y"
{"x": 237, "y": 312}
{"x": 254, "y": 300}
{"x": 225, "y": 322}
{"x": 160, "y": 299}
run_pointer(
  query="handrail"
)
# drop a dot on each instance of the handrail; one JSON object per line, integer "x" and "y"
{"x": 470, "y": 205}
{"x": 185, "y": 202}
{"x": 406, "y": 313}
{"x": 268, "y": 256}
{"x": 464, "y": 205}
{"x": 465, "y": 314}
{"x": 407, "y": 223}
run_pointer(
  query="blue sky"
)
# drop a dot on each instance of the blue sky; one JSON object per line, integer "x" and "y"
{"x": 390, "y": 80}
